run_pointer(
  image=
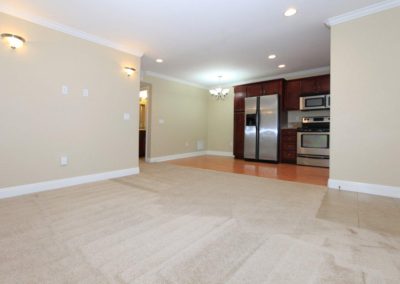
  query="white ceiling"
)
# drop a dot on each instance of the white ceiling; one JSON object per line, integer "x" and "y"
{"x": 202, "y": 39}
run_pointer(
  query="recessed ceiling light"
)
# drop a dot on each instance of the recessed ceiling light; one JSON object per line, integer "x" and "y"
{"x": 290, "y": 12}
{"x": 282, "y": 66}
{"x": 272, "y": 56}
{"x": 159, "y": 60}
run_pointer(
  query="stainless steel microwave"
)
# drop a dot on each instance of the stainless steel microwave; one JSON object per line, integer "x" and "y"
{"x": 315, "y": 102}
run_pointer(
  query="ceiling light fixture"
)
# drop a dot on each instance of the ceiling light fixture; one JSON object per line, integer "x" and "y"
{"x": 129, "y": 71}
{"x": 159, "y": 60}
{"x": 219, "y": 93}
{"x": 14, "y": 41}
{"x": 272, "y": 56}
{"x": 282, "y": 66}
{"x": 290, "y": 12}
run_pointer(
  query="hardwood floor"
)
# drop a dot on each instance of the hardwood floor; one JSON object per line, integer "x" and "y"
{"x": 303, "y": 174}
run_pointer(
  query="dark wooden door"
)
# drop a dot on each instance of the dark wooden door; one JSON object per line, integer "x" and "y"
{"x": 240, "y": 94}
{"x": 142, "y": 143}
{"x": 238, "y": 135}
{"x": 292, "y": 94}
{"x": 254, "y": 90}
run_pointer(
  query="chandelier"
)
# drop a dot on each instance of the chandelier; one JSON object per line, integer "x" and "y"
{"x": 219, "y": 93}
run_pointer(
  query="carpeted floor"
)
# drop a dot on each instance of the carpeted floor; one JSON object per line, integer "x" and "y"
{"x": 172, "y": 224}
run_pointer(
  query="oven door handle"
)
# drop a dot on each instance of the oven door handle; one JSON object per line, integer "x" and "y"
{"x": 319, "y": 157}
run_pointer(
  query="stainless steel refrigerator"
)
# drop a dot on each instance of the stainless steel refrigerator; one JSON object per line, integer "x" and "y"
{"x": 262, "y": 128}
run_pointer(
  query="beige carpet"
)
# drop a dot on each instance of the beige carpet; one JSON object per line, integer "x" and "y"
{"x": 173, "y": 224}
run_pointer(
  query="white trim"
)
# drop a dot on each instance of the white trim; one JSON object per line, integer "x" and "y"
{"x": 219, "y": 153}
{"x": 68, "y": 30}
{"x": 176, "y": 157}
{"x": 359, "y": 13}
{"x": 376, "y": 189}
{"x": 61, "y": 183}
{"x": 288, "y": 76}
{"x": 173, "y": 79}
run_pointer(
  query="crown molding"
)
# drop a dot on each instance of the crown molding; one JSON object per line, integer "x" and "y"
{"x": 359, "y": 13}
{"x": 174, "y": 79}
{"x": 68, "y": 30}
{"x": 289, "y": 76}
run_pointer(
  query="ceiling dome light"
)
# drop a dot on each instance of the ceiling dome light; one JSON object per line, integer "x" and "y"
{"x": 282, "y": 66}
{"x": 159, "y": 60}
{"x": 272, "y": 56}
{"x": 290, "y": 12}
{"x": 14, "y": 41}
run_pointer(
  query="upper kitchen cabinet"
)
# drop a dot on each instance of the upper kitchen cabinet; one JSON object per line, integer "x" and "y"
{"x": 273, "y": 87}
{"x": 240, "y": 94}
{"x": 292, "y": 95}
{"x": 315, "y": 85}
{"x": 254, "y": 90}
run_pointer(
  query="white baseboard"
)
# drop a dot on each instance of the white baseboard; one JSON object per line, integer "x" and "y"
{"x": 176, "y": 157}
{"x": 188, "y": 155}
{"x": 219, "y": 153}
{"x": 60, "y": 183}
{"x": 376, "y": 189}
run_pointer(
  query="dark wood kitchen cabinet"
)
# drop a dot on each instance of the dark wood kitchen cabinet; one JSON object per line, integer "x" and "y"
{"x": 273, "y": 87}
{"x": 288, "y": 146}
{"x": 265, "y": 88}
{"x": 291, "y": 99}
{"x": 254, "y": 90}
{"x": 238, "y": 134}
{"x": 240, "y": 94}
{"x": 315, "y": 85}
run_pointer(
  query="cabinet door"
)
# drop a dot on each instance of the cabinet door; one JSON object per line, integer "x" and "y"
{"x": 254, "y": 90}
{"x": 324, "y": 84}
{"x": 240, "y": 94}
{"x": 309, "y": 86}
{"x": 238, "y": 135}
{"x": 291, "y": 97}
{"x": 315, "y": 85}
{"x": 273, "y": 87}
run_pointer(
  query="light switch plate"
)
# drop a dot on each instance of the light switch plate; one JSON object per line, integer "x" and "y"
{"x": 85, "y": 92}
{"x": 63, "y": 161}
{"x": 161, "y": 121}
{"x": 127, "y": 116}
{"x": 64, "y": 90}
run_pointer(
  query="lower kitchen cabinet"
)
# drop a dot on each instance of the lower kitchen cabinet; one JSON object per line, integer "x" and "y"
{"x": 238, "y": 135}
{"x": 289, "y": 146}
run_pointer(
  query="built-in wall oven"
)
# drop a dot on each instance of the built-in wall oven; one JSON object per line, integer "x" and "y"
{"x": 315, "y": 102}
{"x": 313, "y": 142}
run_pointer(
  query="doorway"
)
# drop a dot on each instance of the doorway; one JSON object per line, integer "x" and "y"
{"x": 144, "y": 120}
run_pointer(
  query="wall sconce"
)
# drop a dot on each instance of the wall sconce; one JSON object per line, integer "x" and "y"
{"x": 14, "y": 41}
{"x": 129, "y": 70}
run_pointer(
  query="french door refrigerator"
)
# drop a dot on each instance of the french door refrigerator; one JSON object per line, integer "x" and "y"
{"x": 262, "y": 128}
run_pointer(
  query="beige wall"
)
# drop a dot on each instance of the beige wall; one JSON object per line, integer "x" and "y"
{"x": 366, "y": 100}
{"x": 220, "y": 124}
{"x": 38, "y": 124}
{"x": 183, "y": 109}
